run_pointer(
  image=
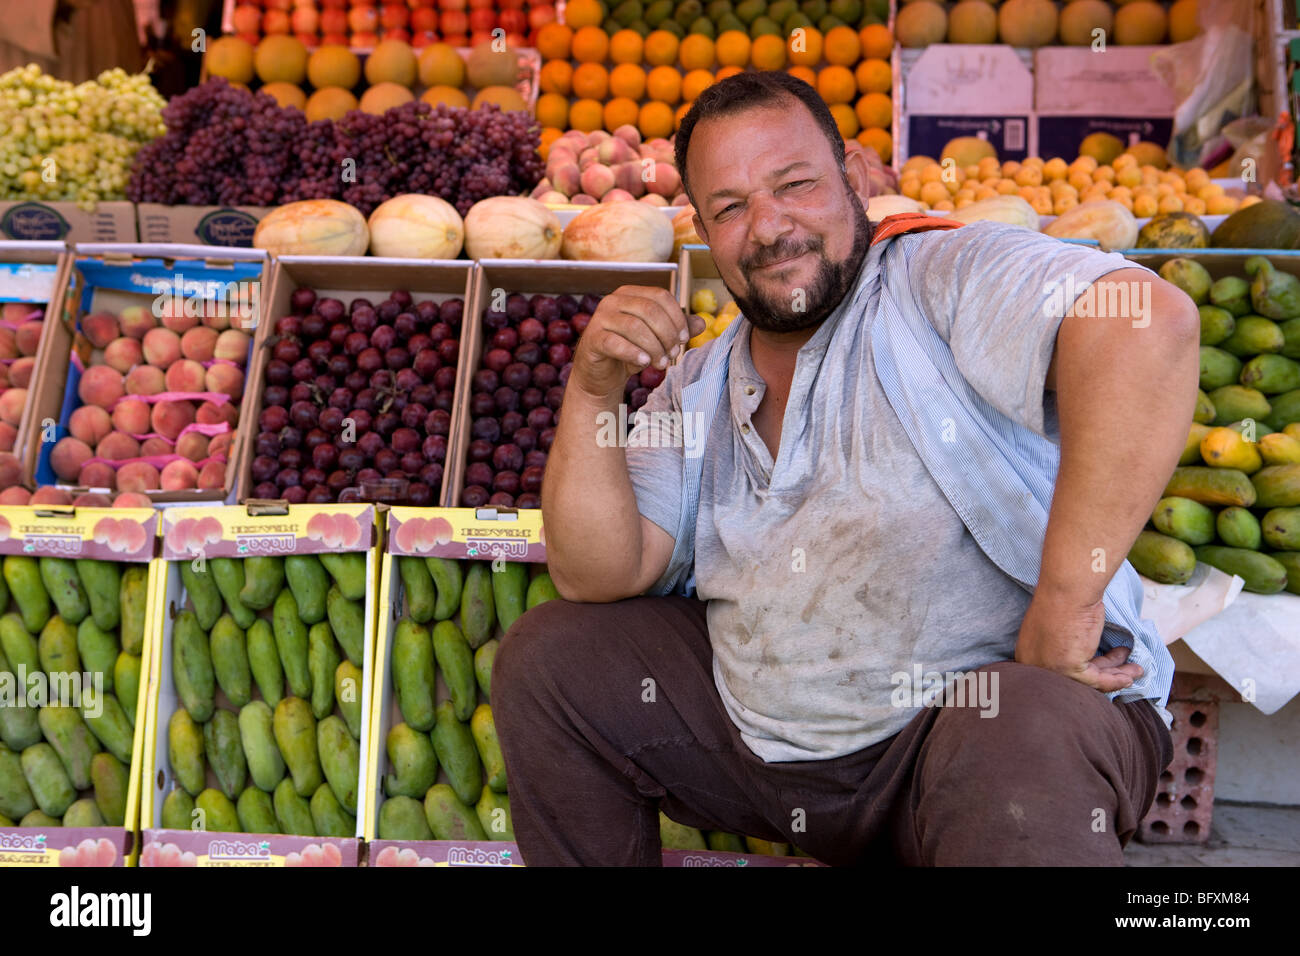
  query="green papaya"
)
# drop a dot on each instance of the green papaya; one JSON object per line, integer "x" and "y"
{"x": 347, "y": 692}
{"x": 449, "y": 817}
{"x": 107, "y": 721}
{"x": 1281, "y": 529}
{"x": 291, "y": 641}
{"x": 340, "y": 756}
{"x": 202, "y": 590}
{"x": 263, "y": 582}
{"x": 219, "y": 813}
{"x": 72, "y": 740}
{"x": 348, "y": 569}
{"x": 225, "y": 752}
{"x": 230, "y": 662}
{"x": 540, "y": 590}
{"x": 50, "y": 785}
{"x": 413, "y": 674}
{"x": 16, "y": 798}
{"x": 414, "y": 763}
{"x": 63, "y": 585}
{"x": 192, "y": 672}
{"x": 257, "y": 736}
{"x": 509, "y": 592}
{"x": 178, "y": 810}
{"x": 112, "y": 782}
{"x": 292, "y": 810}
{"x": 483, "y": 729}
{"x": 295, "y": 734}
{"x": 133, "y": 601}
{"x": 348, "y": 621}
{"x": 309, "y": 583}
{"x": 484, "y": 658}
{"x": 1218, "y": 368}
{"x": 1216, "y": 324}
{"x": 402, "y": 818}
{"x": 98, "y": 650}
{"x": 264, "y": 661}
{"x": 1162, "y": 558}
{"x": 477, "y": 610}
{"x": 23, "y": 576}
{"x": 1184, "y": 519}
{"x": 418, "y": 585}
{"x": 323, "y": 661}
{"x": 493, "y": 812}
{"x": 84, "y": 813}
{"x": 256, "y": 812}
{"x": 1262, "y": 574}
{"x": 456, "y": 661}
{"x": 229, "y": 576}
{"x": 454, "y": 744}
{"x": 1237, "y": 528}
{"x": 126, "y": 680}
{"x": 448, "y": 582}
{"x": 328, "y": 816}
{"x": 102, "y": 583}
{"x": 185, "y": 751}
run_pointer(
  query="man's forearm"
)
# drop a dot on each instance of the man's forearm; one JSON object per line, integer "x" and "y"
{"x": 1125, "y": 397}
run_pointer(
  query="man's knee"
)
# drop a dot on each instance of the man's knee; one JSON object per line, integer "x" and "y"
{"x": 535, "y": 640}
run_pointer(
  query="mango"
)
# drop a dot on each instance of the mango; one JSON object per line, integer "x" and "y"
{"x": 1238, "y": 528}
{"x": 16, "y": 798}
{"x": 230, "y": 661}
{"x": 126, "y": 681}
{"x": 677, "y": 836}
{"x": 1162, "y": 558}
{"x": 340, "y": 756}
{"x": 1216, "y": 324}
{"x": 1218, "y": 368}
{"x": 202, "y": 590}
{"x": 192, "y": 671}
{"x": 308, "y": 582}
{"x": 1184, "y": 519}
{"x": 414, "y": 763}
{"x": 1281, "y": 528}
{"x": 766, "y": 848}
{"x": 509, "y": 592}
{"x": 257, "y": 737}
{"x": 1285, "y": 409}
{"x": 295, "y": 734}
{"x": 264, "y": 661}
{"x": 402, "y": 818}
{"x": 228, "y": 573}
{"x": 48, "y": 780}
{"x": 133, "y": 600}
{"x": 63, "y": 585}
{"x": 1189, "y": 275}
{"x": 493, "y": 811}
{"x": 1290, "y": 561}
{"x": 84, "y": 813}
{"x": 328, "y": 816}
{"x": 484, "y": 731}
{"x": 1252, "y": 335}
{"x": 98, "y": 650}
{"x": 112, "y": 782}
{"x": 1262, "y": 574}
{"x": 102, "y": 582}
{"x": 263, "y": 582}
{"x": 484, "y": 658}
{"x": 449, "y": 817}
{"x": 1234, "y": 403}
{"x": 185, "y": 751}
{"x": 108, "y": 722}
{"x": 225, "y": 752}
{"x": 1271, "y": 374}
{"x": 348, "y": 621}
{"x": 1279, "y": 449}
{"x": 448, "y": 582}
{"x": 347, "y": 693}
{"x": 219, "y": 814}
{"x": 19, "y": 725}
{"x": 456, "y": 661}
{"x": 1273, "y": 293}
{"x": 1232, "y": 294}
{"x": 23, "y": 576}
{"x": 57, "y": 648}
{"x": 1211, "y": 486}
{"x": 458, "y": 754}
{"x": 292, "y": 810}
{"x": 1277, "y": 486}
{"x": 418, "y": 585}
{"x": 323, "y": 661}
{"x": 291, "y": 641}
{"x": 1204, "y": 413}
{"x": 1291, "y": 338}
{"x": 348, "y": 569}
{"x": 178, "y": 810}
{"x": 477, "y": 608}
{"x": 39, "y": 820}
{"x": 413, "y": 674}
{"x": 1225, "y": 448}
{"x": 256, "y": 812}
{"x": 542, "y": 589}
{"x": 723, "y": 842}
{"x": 72, "y": 740}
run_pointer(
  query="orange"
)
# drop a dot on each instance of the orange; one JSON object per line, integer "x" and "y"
{"x": 625, "y": 46}
{"x": 877, "y": 41}
{"x": 590, "y": 81}
{"x": 655, "y": 119}
{"x": 804, "y": 73}
{"x": 660, "y": 48}
{"x": 874, "y": 76}
{"x": 549, "y": 135}
{"x": 556, "y": 77}
{"x": 768, "y": 52}
{"x": 620, "y": 111}
{"x": 694, "y": 83}
{"x": 583, "y": 13}
{"x": 843, "y": 48}
{"x": 845, "y": 119}
{"x": 875, "y": 111}
{"x": 696, "y": 52}
{"x": 554, "y": 41}
{"x": 664, "y": 84}
{"x": 835, "y": 84}
{"x": 732, "y": 48}
{"x": 805, "y": 46}
{"x": 879, "y": 140}
{"x": 725, "y": 72}
{"x": 590, "y": 44}
{"x": 681, "y": 114}
{"x": 586, "y": 115}
{"x": 552, "y": 110}
{"x": 627, "y": 79}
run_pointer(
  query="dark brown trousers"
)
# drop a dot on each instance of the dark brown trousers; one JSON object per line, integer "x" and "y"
{"x": 608, "y": 713}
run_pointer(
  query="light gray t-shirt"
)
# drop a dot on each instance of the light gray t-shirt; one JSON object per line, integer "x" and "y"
{"x": 841, "y": 565}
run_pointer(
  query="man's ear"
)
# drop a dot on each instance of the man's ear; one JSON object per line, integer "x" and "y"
{"x": 858, "y": 170}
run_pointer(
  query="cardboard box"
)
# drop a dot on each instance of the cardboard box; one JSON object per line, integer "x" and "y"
{"x": 206, "y": 225}
{"x": 346, "y": 278}
{"x": 36, "y": 273}
{"x": 67, "y": 222}
{"x": 198, "y": 535}
{"x": 114, "y": 277}
{"x": 495, "y": 277}
{"x": 123, "y": 535}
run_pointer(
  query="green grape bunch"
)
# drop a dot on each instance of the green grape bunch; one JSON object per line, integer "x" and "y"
{"x": 73, "y": 143}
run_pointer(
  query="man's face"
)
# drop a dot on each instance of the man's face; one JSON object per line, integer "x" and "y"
{"x": 786, "y": 231}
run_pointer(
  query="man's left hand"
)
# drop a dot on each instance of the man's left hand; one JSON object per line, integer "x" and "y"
{"x": 1063, "y": 636}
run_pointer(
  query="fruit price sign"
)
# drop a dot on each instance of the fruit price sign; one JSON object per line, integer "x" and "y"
{"x": 479, "y": 533}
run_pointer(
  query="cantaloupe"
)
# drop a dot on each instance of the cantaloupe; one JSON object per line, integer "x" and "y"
{"x": 973, "y": 21}
{"x": 488, "y": 66}
{"x": 280, "y": 59}
{"x": 1027, "y": 23}
{"x": 381, "y": 98}
{"x": 967, "y": 150}
{"x": 231, "y": 57}
{"x": 1103, "y": 147}
{"x": 1182, "y": 21}
{"x": 1081, "y": 18}
{"x": 1140, "y": 23}
{"x": 391, "y": 61}
{"x": 334, "y": 65}
{"x": 330, "y": 103}
{"x": 921, "y": 23}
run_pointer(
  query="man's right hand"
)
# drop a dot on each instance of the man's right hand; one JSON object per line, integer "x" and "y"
{"x": 633, "y": 328}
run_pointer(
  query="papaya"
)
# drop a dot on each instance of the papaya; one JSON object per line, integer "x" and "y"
{"x": 192, "y": 670}
{"x": 413, "y": 674}
{"x": 449, "y": 817}
{"x": 308, "y": 582}
{"x": 295, "y": 734}
{"x": 1184, "y": 519}
{"x": 202, "y": 590}
{"x": 348, "y": 569}
{"x": 1232, "y": 403}
{"x": 677, "y": 836}
{"x": 256, "y": 812}
{"x": 47, "y": 779}
{"x": 1226, "y": 448}
{"x": 178, "y": 810}
{"x": 185, "y": 751}
{"x": 493, "y": 812}
{"x": 1285, "y": 410}
{"x": 1271, "y": 374}
{"x": 63, "y": 585}
{"x": 418, "y": 585}
{"x": 263, "y": 582}
{"x": 107, "y": 721}
{"x": 230, "y": 662}
{"x": 16, "y": 798}
{"x": 291, "y": 641}
{"x": 23, "y": 577}
{"x": 323, "y": 661}
{"x": 448, "y": 582}
{"x": 84, "y": 813}
{"x": 347, "y": 692}
{"x": 340, "y": 756}
{"x": 454, "y": 744}
{"x": 98, "y": 651}
{"x": 1252, "y": 335}
{"x": 67, "y": 733}
{"x": 1211, "y": 486}
{"x": 413, "y": 760}
{"x": 1290, "y": 561}
{"x": 484, "y": 658}
{"x": 111, "y": 781}
{"x": 257, "y": 737}
{"x": 133, "y": 601}
{"x": 1238, "y": 528}
{"x": 1277, "y": 486}
{"x": 1232, "y": 294}
{"x": 126, "y": 682}
{"x": 1162, "y": 558}
{"x": 348, "y": 621}
{"x": 228, "y": 573}
{"x": 102, "y": 582}
{"x": 1262, "y": 574}
{"x": 1281, "y": 529}
{"x": 264, "y": 661}
{"x": 1216, "y": 325}
{"x": 219, "y": 813}
{"x": 292, "y": 810}
{"x": 484, "y": 731}
{"x": 402, "y": 818}
{"x": 542, "y": 589}
{"x": 225, "y": 752}
{"x": 456, "y": 661}
{"x": 328, "y": 816}
{"x": 1218, "y": 368}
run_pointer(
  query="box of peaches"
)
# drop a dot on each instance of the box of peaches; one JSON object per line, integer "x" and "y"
{"x": 140, "y": 386}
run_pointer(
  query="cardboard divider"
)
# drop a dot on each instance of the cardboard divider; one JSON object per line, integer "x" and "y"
{"x": 345, "y": 278}
{"x": 528, "y": 277}
{"x": 240, "y": 531}
{"x": 230, "y": 226}
{"x": 29, "y": 221}
{"x": 123, "y": 535}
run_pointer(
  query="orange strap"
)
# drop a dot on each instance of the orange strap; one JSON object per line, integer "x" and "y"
{"x": 903, "y": 222}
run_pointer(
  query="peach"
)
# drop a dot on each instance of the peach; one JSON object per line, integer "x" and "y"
{"x": 123, "y": 354}
{"x": 178, "y": 476}
{"x": 90, "y": 423}
{"x": 219, "y": 445}
{"x": 185, "y": 375}
{"x": 618, "y": 195}
{"x": 162, "y": 347}
{"x": 8, "y": 344}
{"x": 100, "y": 328}
{"x": 198, "y": 344}
{"x": 654, "y": 199}
{"x": 627, "y": 176}
{"x": 212, "y": 476}
{"x": 8, "y": 435}
{"x": 597, "y": 180}
{"x": 28, "y": 337}
{"x": 177, "y": 318}
{"x": 11, "y": 469}
{"x": 132, "y": 499}
{"x": 100, "y": 385}
{"x": 226, "y": 379}
{"x": 137, "y": 476}
{"x": 156, "y": 446}
{"x": 118, "y": 446}
{"x": 145, "y": 380}
{"x": 170, "y": 417}
{"x": 215, "y": 317}
{"x": 629, "y": 134}
{"x": 68, "y": 456}
{"x": 567, "y": 179}
{"x": 49, "y": 495}
{"x": 597, "y": 136}
{"x": 210, "y": 413}
{"x": 614, "y": 151}
{"x": 232, "y": 345}
{"x": 192, "y": 445}
{"x": 15, "y": 495}
{"x": 21, "y": 372}
{"x": 131, "y": 416}
{"x": 92, "y": 499}
{"x": 12, "y": 403}
{"x": 552, "y": 197}
{"x": 97, "y": 475}
{"x": 665, "y": 181}
{"x": 4, "y": 377}
{"x": 582, "y": 199}
{"x": 18, "y": 311}
{"x": 136, "y": 320}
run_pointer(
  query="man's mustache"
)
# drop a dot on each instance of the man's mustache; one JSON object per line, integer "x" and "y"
{"x": 784, "y": 249}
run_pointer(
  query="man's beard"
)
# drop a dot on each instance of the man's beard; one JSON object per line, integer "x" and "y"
{"x": 830, "y": 284}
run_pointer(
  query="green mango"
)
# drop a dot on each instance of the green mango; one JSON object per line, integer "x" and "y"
{"x": 448, "y": 582}
{"x": 50, "y": 785}
{"x": 347, "y": 693}
{"x": 722, "y": 842}
{"x": 493, "y": 811}
{"x": 418, "y": 585}
{"x": 201, "y": 587}
{"x": 185, "y": 751}
{"x": 456, "y": 661}
{"x": 263, "y": 582}
{"x": 295, "y": 734}
{"x": 264, "y": 661}
{"x": 677, "y": 836}
{"x": 414, "y": 763}
{"x": 19, "y": 724}
{"x": 292, "y": 810}
{"x": 225, "y": 752}
{"x": 58, "y": 651}
{"x": 1204, "y": 413}
{"x": 23, "y": 576}
{"x": 178, "y": 810}
{"x": 509, "y": 592}
{"x": 449, "y": 817}
{"x": 477, "y": 610}
{"x": 1232, "y": 294}
{"x": 257, "y": 736}
{"x": 219, "y": 814}
{"x": 1216, "y": 324}
{"x": 102, "y": 582}
{"x": 133, "y": 600}
{"x": 328, "y": 816}
{"x": 108, "y": 722}
{"x": 484, "y": 731}
{"x": 1281, "y": 529}
{"x": 323, "y": 661}
{"x": 229, "y": 575}
{"x": 1190, "y": 276}
{"x": 192, "y": 671}
{"x": 126, "y": 682}
{"x": 1237, "y": 528}
{"x": 402, "y": 818}
{"x": 16, "y": 798}
{"x": 1162, "y": 558}
{"x": 1271, "y": 374}
{"x": 348, "y": 569}
{"x": 1252, "y": 335}
{"x": 458, "y": 754}
{"x": 1273, "y": 293}
{"x": 540, "y": 590}
{"x": 291, "y": 640}
{"x": 230, "y": 661}
{"x": 72, "y": 740}
{"x": 1233, "y": 403}
{"x": 484, "y": 658}
{"x": 256, "y": 812}
{"x": 98, "y": 650}
{"x": 309, "y": 582}
{"x": 84, "y": 813}
{"x": 63, "y": 585}
{"x": 112, "y": 784}
{"x": 1218, "y": 368}
{"x": 340, "y": 757}
{"x": 413, "y": 676}
{"x": 348, "y": 621}
{"x": 39, "y": 820}
{"x": 1262, "y": 574}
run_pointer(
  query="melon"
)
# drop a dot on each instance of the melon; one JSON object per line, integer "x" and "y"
{"x": 1149, "y": 154}
{"x": 967, "y": 150}
{"x": 330, "y": 103}
{"x": 392, "y": 61}
{"x": 619, "y": 232}
{"x": 1027, "y": 23}
{"x": 1103, "y": 147}
{"x": 920, "y": 24}
{"x": 313, "y": 227}
{"x": 415, "y": 226}
{"x": 1104, "y": 220}
{"x": 487, "y": 66}
{"x": 506, "y": 97}
{"x": 381, "y": 98}
{"x": 1141, "y": 23}
{"x": 1081, "y": 18}
{"x": 973, "y": 21}
{"x": 334, "y": 65}
{"x": 1174, "y": 230}
{"x": 512, "y": 227}
{"x": 1267, "y": 224}
{"x": 1183, "y": 23}
{"x": 281, "y": 59}
{"x": 1009, "y": 209}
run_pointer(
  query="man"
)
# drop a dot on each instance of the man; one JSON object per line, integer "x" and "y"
{"x": 74, "y": 40}
{"x": 868, "y": 519}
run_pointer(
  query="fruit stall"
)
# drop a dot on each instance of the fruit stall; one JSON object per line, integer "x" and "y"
{"x": 282, "y": 359}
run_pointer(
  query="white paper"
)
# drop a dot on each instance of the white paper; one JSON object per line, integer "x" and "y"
{"x": 1177, "y": 608}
